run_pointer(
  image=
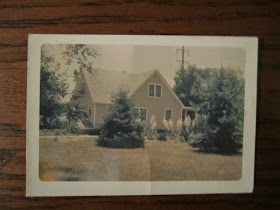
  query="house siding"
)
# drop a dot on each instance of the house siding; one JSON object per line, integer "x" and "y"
{"x": 86, "y": 99}
{"x": 157, "y": 106}
{"x": 100, "y": 112}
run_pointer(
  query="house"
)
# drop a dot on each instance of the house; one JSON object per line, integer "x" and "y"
{"x": 149, "y": 91}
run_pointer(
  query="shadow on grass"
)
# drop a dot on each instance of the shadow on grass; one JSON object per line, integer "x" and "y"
{"x": 120, "y": 143}
{"x": 119, "y": 147}
{"x": 209, "y": 149}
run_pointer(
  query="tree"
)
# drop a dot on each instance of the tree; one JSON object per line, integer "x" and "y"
{"x": 218, "y": 95}
{"x": 54, "y": 87}
{"x": 81, "y": 54}
{"x": 120, "y": 127}
{"x": 226, "y": 114}
{"x": 74, "y": 111}
{"x": 191, "y": 85}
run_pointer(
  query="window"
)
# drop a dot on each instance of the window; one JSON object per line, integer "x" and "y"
{"x": 158, "y": 90}
{"x": 168, "y": 114}
{"x": 151, "y": 90}
{"x": 83, "y": 88}
{"x": 141, "y": 113}
{"x": 155, "y": 90}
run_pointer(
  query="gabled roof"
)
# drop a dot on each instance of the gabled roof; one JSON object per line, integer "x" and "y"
{"x": 102, "y": 83}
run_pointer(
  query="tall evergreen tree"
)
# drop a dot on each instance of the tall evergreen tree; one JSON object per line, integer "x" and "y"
{"x": 120, "y": 128}
{"x": 218, "y": 95}
{"x": 226, "y": 114}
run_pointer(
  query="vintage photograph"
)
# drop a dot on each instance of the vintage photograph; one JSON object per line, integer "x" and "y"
{"x": 141, "y": 113}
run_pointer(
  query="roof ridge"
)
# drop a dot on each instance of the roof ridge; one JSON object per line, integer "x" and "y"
{"x": 109, "y": 70}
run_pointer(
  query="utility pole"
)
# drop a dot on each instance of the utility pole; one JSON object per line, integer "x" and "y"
{"x": 183, "y": 56}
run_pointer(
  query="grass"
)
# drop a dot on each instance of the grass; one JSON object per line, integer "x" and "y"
{"x": 80, "y": 158}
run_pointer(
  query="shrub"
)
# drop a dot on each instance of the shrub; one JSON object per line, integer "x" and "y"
{"x": 162, "y": 136}
{"x": 170, "y": 131}
{"x": 130, "y": 140}
{"x": 181, "y": 138}
{"x": 73, "y": 130}
{"x": 151, "y": 132}
{"x": 120, "y": 128}
{"x": 221, "y": 126}
{"x": 179, "y": 126}
{"x": 185, "y": 133}
{"x": 218, "y": 95}
{"x": 151, "y": 135}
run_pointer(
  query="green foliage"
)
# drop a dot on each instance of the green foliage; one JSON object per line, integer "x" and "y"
{"x": 74, "y": 111}
{"x": 218, "y": 95}
{"x": 181, "y": 139}
{"x": 172, "y": 134}
{"x": 151, "y": 131}
{"x": 162, "y": 136}
{"x": 190, "y": 81}
{"x": 151, "y": 134}
{"x": 185, "y": 133}
{"x": 53, "y": 85}
{"x": 81, "y": 54}
{"x": 52, "y": 89}
{"x": 120, "y": 128}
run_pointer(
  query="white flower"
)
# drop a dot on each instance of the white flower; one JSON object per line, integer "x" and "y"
{"x": 138, "y": 120}
{"x": 179, "y": 124}
{"x": 154, "y": 125}
{"x": 187, "y": 121}
{"x": 152, "y": 120}
{"x": 165, "y": 123}
{"x": 193, "y": 122}
{"x": 170, "y": 124}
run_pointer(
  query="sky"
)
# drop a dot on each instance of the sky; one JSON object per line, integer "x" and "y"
{"x": 167, "y": 59}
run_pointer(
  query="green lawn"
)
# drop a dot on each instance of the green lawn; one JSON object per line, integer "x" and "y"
{"x": 79, "y": 158}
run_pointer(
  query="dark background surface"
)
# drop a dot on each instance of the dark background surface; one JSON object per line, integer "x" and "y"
{"x": 259, "y": 18}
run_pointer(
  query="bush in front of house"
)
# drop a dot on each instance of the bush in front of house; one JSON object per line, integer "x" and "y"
{"x": 162, "y": 136}
{"x": 182, "y": 131}
{"x": 120, "y": 128}
{"x": 186, "y": 128}
{"x": 151, "y": 132}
